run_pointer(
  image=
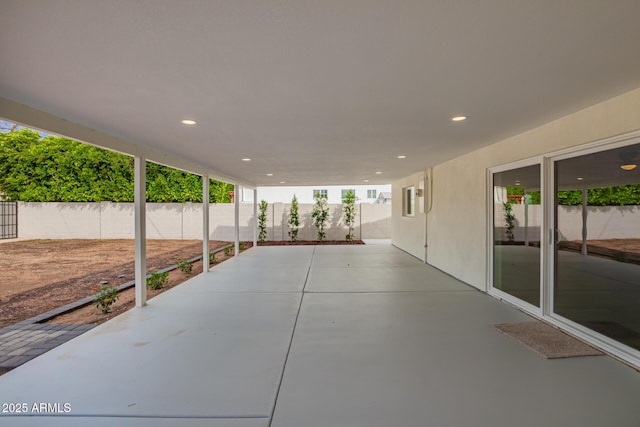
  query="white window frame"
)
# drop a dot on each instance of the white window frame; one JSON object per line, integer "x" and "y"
{"x": 409, "y": 201}
{"x": 323, "y": 192}
{"x": 344, "y": 192}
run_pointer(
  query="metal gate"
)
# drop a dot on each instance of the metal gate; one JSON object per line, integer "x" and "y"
{"x": 8, "y": 220}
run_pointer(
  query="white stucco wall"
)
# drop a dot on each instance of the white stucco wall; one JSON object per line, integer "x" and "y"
{"x": 458, "y": 224}
{"x": 408, "y": 232}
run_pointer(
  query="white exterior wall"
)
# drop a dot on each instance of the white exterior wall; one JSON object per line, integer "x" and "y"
{"x": 408, "y": 232}
{"x": 184, "y": 221}
{"x": 304, "y": 194}
{"x": 457, "y": 223}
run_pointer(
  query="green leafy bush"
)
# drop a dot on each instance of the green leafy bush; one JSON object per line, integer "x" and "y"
{"x": 54, "y": 169}
{"x": 212, "y": 258}
{"x": 185, "y": 266}
{"x": 228, "y": 250}
{"x": 104, "y": 296}
{"x": 157, "y": 280}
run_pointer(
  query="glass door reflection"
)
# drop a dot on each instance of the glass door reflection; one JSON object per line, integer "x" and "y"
{"x": 517, "y": 221}
{"x": 597, "y": 244}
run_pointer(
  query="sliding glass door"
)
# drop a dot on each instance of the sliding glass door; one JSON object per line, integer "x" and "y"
{"x": 596, "y": 250}
{"x": 517, "y": 221}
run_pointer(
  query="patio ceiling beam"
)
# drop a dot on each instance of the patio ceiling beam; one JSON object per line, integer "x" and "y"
{"x": 36, "y": 119}
{"x": 139, "y": 166}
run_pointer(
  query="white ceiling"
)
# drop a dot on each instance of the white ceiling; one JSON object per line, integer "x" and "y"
{"x": 316, "y": 92}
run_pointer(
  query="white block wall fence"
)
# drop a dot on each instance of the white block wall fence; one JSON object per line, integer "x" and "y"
{"x": 179, "y": 221}
{"x": 603, "y": 222}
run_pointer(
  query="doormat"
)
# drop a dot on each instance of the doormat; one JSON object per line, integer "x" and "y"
{"x": 546, "y": 340}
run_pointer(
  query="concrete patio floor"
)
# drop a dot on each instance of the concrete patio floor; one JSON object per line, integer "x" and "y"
{"x": 317, "y": 336}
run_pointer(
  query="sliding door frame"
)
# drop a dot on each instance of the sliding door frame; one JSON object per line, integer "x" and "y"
{"x": 548, "y": 236}
{"x": 603, "y": 342}
{"x": 498, "y": 293}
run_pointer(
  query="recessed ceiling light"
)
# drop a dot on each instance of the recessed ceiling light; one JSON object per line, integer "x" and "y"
{"x": 402, "y": 157}
{"x": 629, "y": 167}
{"x": 282, "y": 182}
{"x": 365, "y": 180}
{"x": 378, "y": 173}
{"x": 459, "y": 118}
{"x": 517, "y": 184}
{"x": 188, "y": 122}
{"x": 269, "y": 174}
{"x": 246, "y": 159}
{"x": 579, "y": 178}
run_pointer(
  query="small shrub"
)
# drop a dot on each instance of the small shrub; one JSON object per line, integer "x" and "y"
{"x": 185, "y": 266}
{"x": 212, "y": 258}
{"x": 228, "y": 250}
{"x": 157, "y": 280}
{"x": 104, "y": 296}
{"x": 241, "y": 246}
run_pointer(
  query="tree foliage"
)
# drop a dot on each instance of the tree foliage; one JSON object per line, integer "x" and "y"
{"x": 262, "y": 221}
{"x": 606, "y": 196}
{"x": 294, "y": 219}
{"x": 349, "y": 212}
{"x": 320, "y": 214}
{"x": 509, "y": 220}
{"x": 622, "y": 195}
{"x": 53, "y": 169}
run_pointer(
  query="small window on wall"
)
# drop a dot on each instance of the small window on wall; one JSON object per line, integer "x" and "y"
{"x": 344, "y": 193}
{"x": 408, "y": 199}
{"x": 372, "y": 194}
{"x": 320, "y": 192}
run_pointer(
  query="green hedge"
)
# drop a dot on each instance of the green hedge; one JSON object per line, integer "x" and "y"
{"x": 53, "y": 169}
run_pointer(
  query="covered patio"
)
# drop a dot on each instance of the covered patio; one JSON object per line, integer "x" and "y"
{"x": 318, "y": 336}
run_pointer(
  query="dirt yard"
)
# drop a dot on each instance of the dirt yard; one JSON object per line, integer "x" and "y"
{"x": 40, "y": 275}
{"x": 310, "y": 242}
{"x": 625, "y": 245}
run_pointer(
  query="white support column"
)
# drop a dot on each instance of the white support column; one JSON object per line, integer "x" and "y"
{"x": 205, "y": 223}
{"x": 585, "y": 202}
{"x": 255, "y": 217}
{"x": 140, "y": 199}
{"x": 236, "y": 203}
{"x": 526, "y": 219}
